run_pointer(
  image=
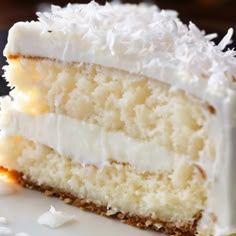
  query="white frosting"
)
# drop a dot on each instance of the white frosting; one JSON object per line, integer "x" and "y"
{"x": 54, "y": 219}
{"x": 153, "y": 43}
{"x": 138, "y": 39}
{"x": 222, "y": 200}
{"x": 60, "y": 132}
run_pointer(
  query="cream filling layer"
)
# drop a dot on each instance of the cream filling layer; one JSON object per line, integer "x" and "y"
{"x": 88, "y": 143}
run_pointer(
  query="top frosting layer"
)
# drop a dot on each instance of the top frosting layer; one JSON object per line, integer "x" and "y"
{"x": 136, "y": 38}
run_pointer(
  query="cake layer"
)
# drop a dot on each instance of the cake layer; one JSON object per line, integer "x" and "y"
{"x": 170, "y": 228}
{"x": 91, "y": 144}
{"x": 190, "y": 128}
{"x": 88, "y": 143}
{"x": 130, "y": 73}
{"x": 138, "y": 106}
{"x": 119, "y": 187}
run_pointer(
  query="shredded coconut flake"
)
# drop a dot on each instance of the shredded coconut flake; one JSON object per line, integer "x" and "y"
{"x": 211, "y": 36}
{"x": 54, "y": 219}
{"x": 226, "y": 40}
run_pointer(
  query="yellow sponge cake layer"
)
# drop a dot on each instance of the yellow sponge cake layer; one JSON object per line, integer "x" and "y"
{"x": 176, "y": 197}
{"x": 154, "y": 140}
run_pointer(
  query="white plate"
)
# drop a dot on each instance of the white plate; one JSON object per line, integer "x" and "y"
{"x": 23, "y": 208}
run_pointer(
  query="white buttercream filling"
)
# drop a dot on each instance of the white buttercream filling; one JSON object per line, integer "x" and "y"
{"x": 88, "y": 143}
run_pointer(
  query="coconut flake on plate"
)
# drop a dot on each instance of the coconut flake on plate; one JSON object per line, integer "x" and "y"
{"x": 54, "y": 219}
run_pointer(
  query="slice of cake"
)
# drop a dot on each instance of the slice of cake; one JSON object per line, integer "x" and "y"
{"x": 125, "y": 111}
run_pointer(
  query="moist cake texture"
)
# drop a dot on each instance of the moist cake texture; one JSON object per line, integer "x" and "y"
{"x": 125, "y": 111}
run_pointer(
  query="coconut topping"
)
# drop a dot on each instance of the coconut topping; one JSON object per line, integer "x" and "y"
{"x": 137, "y": 38}
{"x": 145, "y": 34}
